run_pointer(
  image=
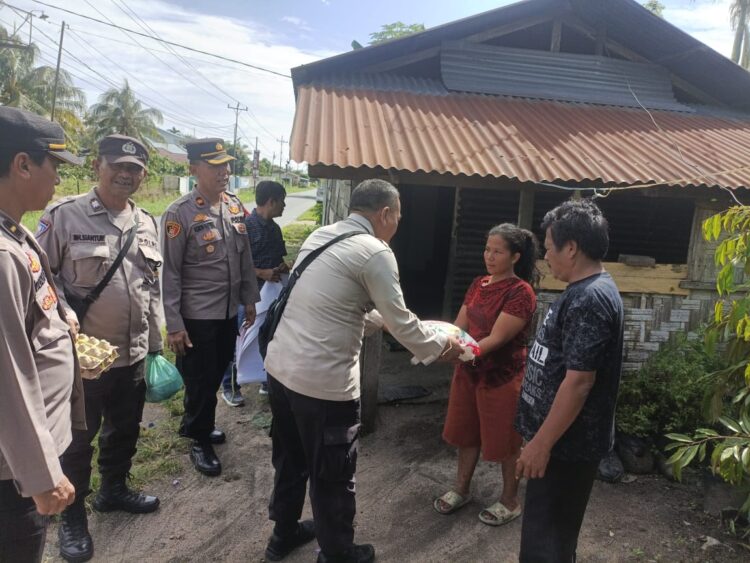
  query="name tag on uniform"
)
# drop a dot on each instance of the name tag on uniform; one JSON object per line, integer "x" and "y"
{"x": 87, "y": 238}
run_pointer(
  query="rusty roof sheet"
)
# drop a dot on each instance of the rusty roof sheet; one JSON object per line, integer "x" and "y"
{"x": 527, "y": 140}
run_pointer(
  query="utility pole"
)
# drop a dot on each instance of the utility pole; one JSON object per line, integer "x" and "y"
{"x": 237, "y": 109}
{"x": 57, "y": 71}
{"x": 281, "y": 154}
{"x": 256, "y": 163}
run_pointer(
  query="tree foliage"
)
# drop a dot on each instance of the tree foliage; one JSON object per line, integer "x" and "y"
{"x": 654, "y": 6}
{"x": 728, "y": 403}
{"x": 119, "y": 111}
{"x": 394, "y": 31}
{"x": 27, "y": 86}
{"x": 241, "y": 166}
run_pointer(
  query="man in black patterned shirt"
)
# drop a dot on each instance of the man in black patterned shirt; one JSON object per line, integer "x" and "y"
{"x": 268, "y": 248}
{"x": 567, "y": 405}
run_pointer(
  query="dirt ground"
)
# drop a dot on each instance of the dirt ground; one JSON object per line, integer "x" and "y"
{"x": 401, "y": 468}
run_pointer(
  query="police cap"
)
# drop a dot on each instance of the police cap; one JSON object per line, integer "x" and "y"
{"x": 24, "y": 131}
{"x": 210, "y": 150}
{"x": 120, "y": 148}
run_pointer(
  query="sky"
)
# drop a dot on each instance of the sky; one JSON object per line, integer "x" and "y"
{"x": 194, "y": 90}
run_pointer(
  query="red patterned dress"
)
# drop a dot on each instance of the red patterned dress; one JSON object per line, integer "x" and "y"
{"x": 484, "y": 393}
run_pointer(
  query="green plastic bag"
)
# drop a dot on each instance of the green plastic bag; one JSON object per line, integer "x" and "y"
{"x": 162, "y": 378}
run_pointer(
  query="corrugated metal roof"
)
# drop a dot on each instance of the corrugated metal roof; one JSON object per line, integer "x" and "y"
{"x": 384, "y": 82}
{"x": 536, "y": 141}
{"x": 625, "y": 21}
{"x": 527, "y": 73}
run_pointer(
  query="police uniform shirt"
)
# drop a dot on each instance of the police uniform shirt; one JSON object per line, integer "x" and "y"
{"x": 82, "y": 240}
{"x": 208, "y": 265}
{"x": 41, "y": 395}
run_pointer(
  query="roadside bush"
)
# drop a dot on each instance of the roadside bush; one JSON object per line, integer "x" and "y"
{"x": 667, "y": 394}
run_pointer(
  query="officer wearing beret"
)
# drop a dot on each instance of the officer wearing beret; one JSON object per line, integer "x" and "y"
{"x": 83, "y": 236}
{"x": 41, "y": 395}
{"x": 208, "y": 274}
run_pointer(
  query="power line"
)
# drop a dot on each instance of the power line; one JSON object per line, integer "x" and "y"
{"x": 180, "y": 120}
{"x": 256, "y": 67}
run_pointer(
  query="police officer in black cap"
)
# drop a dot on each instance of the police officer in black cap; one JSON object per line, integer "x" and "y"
{"x": 83, "y": 236}
{"x": 208, "y": 274}
{"x": 41, "y": 396}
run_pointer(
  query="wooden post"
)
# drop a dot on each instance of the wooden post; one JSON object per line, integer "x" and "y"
{"x": 526, "y": 207}
{"x": 369, "y": 365}
{"x": 556, "y": 36}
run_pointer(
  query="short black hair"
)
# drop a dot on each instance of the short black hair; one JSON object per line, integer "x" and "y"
{"x": 373, "y": 195}
{"x": 7, "y": 156}
{"x": 580, "y": 221}
{"x": 267, "y": 190}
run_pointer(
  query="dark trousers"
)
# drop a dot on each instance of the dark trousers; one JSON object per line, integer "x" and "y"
{"x": 114, "y": 403}
{"x": 202, "y": 369}
{"x": 22, "y": 529}
{"x": 553, "y": 511}
{"x": 316, "y": 440}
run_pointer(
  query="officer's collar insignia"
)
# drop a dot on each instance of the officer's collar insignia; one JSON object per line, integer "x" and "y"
{"x": 129, "y": 148}
{"x": 173, "y": 229}
{"x": 33, "y": 263}
{"x": 225, "y": 198}
{"x": 96, "y": 205}
{"x": 43, "y": 227}
{"x": 200, "y": 201}
{"x": 13, "y": 229}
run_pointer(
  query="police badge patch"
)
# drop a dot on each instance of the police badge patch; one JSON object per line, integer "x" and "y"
{"x": 43, "y": 227}
{"x": 173, "y": 229}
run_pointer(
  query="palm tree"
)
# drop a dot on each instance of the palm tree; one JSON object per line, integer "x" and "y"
{"x": 739, "y": 14}
{"x": 119, "y": 111}
{"x": 30, "y": 87}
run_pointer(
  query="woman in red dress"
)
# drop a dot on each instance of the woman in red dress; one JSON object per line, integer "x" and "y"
{"x": 496, "y": 312}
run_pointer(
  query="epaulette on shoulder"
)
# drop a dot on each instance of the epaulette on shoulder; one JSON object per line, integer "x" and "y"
{"x": 62, "y": 201}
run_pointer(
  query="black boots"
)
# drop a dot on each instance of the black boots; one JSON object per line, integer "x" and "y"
{"x": 279, "y": 546}
{"x": 204, "y": 459}
{"x": 115, "y": 495}
{"x": 364, "y": 553}
{"x": 75, "y": 541}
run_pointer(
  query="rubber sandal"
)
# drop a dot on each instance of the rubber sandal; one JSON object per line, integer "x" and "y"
{"x": 501, "y": 514}
{"x": 453, "y": 500}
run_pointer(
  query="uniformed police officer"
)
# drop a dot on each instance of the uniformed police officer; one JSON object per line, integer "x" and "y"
{"x": 83, "y": 235}
{"x": 208, "y": 273}
{"x": 40, "y": 389}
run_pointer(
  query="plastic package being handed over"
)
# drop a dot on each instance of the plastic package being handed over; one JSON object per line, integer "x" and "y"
{"x": 95, "y": 356}
{"x": 470, "y": 346}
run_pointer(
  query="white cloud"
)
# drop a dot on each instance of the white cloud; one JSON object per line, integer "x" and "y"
{"x": 706, "y": 20}
{"x": 294, "y": 20}
{"x": 191, "y": 100}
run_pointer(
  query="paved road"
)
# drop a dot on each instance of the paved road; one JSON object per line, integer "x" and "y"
{"x": 296, "y": 205}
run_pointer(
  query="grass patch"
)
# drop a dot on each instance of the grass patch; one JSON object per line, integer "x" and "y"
{"x": 294, "y": 235}
{"x": 314, "y": 214}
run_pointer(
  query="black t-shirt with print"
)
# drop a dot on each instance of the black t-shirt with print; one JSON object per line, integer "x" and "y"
{"x": 582, "y": 331}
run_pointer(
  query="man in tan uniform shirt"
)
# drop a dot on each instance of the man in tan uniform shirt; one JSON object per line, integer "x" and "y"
{"x": 208, "y": 273}
{"x": 40, "y": 389}
{"x": 83, "y": 236}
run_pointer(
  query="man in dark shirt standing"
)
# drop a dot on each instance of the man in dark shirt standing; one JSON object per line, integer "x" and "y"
{"x": 267, "y": 244}
{"x": 567, "y": 406}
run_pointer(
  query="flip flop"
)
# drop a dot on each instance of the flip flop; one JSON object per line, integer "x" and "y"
{"x": 501, "y": 514}
{"x": 453, "y": 500}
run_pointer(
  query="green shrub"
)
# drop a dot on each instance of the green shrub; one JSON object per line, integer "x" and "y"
{"x": 666, "y": 394}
